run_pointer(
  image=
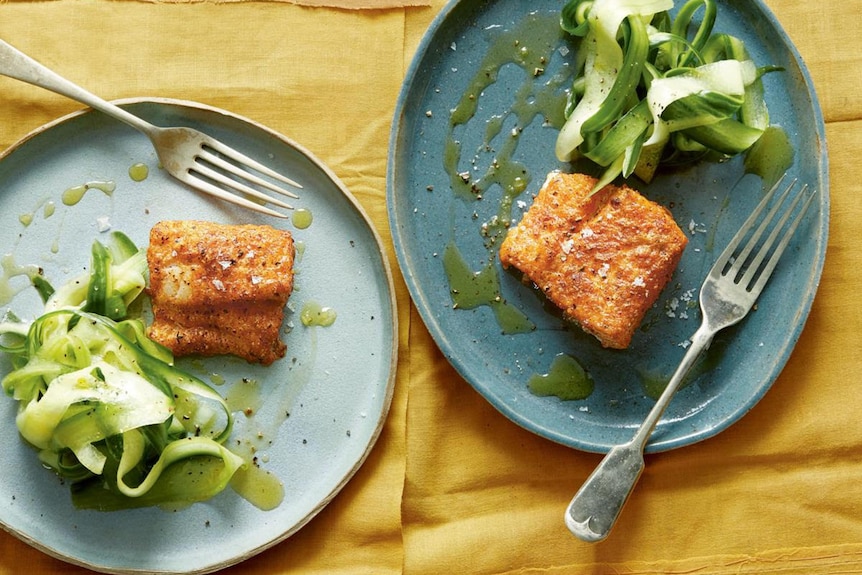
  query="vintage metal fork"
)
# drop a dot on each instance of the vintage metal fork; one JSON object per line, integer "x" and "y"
{"x": 726, "y": 296}
{"x": 192, "y": 157}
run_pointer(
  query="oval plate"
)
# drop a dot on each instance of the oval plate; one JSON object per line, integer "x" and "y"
{"x": 708, "y": 200}
{"x": 335, "y": 383}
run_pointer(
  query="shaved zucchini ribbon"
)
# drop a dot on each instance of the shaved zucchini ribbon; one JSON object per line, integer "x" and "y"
{"x": 644, "y": 91}
{"x": 103, "y": 404}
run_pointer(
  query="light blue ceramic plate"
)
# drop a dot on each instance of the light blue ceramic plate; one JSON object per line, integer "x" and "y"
{"x": 335, "y": 382}
{"x": 708, "y": 200}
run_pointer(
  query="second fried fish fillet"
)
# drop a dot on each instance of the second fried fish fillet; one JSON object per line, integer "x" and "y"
{"x": 602, "y": 259}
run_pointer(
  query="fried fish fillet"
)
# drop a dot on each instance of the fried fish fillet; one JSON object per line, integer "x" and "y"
{"x": 220, "y": 289}
{"x": 602, "y": 259}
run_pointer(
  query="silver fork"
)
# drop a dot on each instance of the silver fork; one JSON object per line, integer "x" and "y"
{"x": 727, "y": 295}
{"x": 191, "y": 156}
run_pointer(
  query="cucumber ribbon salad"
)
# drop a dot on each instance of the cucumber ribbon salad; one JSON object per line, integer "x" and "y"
{"x": 650, "y": 88}
{"x": 104, "y": 405}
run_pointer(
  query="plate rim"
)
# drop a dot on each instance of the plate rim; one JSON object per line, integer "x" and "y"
{"x": 389, "y": 389}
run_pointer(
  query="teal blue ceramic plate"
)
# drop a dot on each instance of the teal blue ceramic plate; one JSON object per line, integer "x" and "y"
{"x": 481, "y": 101}
{"x": 318, "y": 411}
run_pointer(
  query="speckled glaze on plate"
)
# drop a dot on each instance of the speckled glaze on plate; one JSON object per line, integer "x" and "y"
{"x": 708, "y": 200}
{"x": 336, "y": 382}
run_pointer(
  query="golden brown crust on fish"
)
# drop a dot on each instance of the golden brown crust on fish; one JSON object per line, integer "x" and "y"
{"x": 602, "y": 259}
{"x": 220, "y": 289}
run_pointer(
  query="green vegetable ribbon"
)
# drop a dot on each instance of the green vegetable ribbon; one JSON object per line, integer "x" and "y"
{"x": 103, "y": 404}
{"x": 653, "y": 88}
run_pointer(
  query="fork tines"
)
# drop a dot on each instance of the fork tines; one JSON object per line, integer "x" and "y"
{"x": 222, "y": 171}
{"x": 751, "y": 267}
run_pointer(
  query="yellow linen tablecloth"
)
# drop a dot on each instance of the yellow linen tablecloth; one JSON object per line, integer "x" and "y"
{"x": 452, "y": 486}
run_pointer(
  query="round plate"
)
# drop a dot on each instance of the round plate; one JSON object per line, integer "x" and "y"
{"x": 335, "y": 383}
{"x": 460, "y": 55}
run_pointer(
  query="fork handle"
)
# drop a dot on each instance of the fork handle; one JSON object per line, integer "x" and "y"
{"x": 16, "y": 64}
{"x": 596, "y": 506}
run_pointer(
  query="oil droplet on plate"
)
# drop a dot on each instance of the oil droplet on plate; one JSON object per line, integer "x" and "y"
{"x": 315, "y": 314}
{"x": 299, "y": 246}
{"x": 139, "y": 172}
{"x": 302, "y": 218}
{"x": 566, "y": 380}
{"x": 258, "y": 486}
{"x": 73, "y": 195}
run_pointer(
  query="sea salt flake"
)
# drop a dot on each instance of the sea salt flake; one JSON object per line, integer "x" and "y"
{"x": 567, "y": 246}
{"x": 603, "y": 271}
{"x": 671, "y": 307}
{"x": 587, "y": 233}
{"x": 694, "y": 227}
{"x": 219, "y": 285}
{"x": 225, "y": 264}
{"x": 256, "y": 280}
{"x": 103, "y": 223}
{"x": 639, "y": 282}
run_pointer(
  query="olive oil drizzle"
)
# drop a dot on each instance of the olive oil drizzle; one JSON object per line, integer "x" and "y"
{"x": 75, "y": 194}
{"x": 470, "y": 290}
{"x": 527, "y": 47}
{"x": 530, "y": 46}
